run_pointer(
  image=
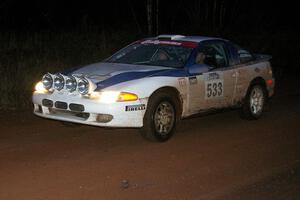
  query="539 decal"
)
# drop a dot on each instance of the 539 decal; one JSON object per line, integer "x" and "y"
{"x": 214, "y": 89}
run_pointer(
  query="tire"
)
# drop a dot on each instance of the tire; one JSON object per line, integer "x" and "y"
{"x": 161, "y": 117}
{"x": 254, "y": 103}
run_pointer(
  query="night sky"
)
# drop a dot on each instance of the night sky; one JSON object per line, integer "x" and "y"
{"x": 268, "y": 27}
{"x": 174, "y": 16}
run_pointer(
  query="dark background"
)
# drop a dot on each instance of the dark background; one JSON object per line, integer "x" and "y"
{"x": 183, "y": 16}
{"x": 41, "y": 36}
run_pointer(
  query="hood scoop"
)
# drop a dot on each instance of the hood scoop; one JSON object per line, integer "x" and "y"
{"x": 98, "y": 77}
{"x": 93, "y": 77}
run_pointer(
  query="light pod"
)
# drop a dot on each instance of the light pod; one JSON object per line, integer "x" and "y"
{"x": 83, "y": 86}
{"x": 47, "y": 81}
{"x": 59, "y": 82}
{"x": 71, "y": 84}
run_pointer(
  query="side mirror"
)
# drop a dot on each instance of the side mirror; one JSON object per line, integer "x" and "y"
{"x": 198, "y": 69}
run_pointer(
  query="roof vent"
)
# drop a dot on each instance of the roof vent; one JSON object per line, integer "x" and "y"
{"x": 170, "y": 37}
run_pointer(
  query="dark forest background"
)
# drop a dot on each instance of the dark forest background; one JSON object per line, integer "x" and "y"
{"x": 40, "y": 36}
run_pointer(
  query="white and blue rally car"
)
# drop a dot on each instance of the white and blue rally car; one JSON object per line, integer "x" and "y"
{"x": 154, "y": 82}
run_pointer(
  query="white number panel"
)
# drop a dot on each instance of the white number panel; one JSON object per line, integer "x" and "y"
{"x": 214, "y": 85}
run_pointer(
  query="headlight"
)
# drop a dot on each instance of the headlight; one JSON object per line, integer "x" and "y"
{"x": 83, "y": 86}
{"x": 59, "y": 82}
{"x": 39, "y": 87}
{"x": 47, "y": 81}
{"x": 108, "y": 97}
{"x": 71, "y": 84}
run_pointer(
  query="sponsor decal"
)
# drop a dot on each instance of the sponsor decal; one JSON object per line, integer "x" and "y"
{"x": 135, "y": 107}
{"x": 213, "y": 76}
{"x": 168, "y": 42}
{"x": 193, "y": 80}
{"x": 161, "y": 42}
{"x": 182, "y": 82}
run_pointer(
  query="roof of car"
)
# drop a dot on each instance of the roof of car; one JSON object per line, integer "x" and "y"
{"x": 187, "y": 38}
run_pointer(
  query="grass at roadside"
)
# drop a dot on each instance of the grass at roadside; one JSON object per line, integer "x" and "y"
{"x": 25, "y": 57}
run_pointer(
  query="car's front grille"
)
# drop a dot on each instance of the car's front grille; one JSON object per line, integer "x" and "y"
{"x": 76, "y": 107}
{"x": 69, "y": 114}
{"x": 47, "y": 103}
{"x": 60, "y": 108}
{"x": 61, "y": 105}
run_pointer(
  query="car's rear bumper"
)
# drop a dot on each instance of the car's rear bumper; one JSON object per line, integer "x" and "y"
{"x": 88, "y": 111}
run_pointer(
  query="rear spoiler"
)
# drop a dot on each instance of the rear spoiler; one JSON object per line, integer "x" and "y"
{"x": 262, "y": 57}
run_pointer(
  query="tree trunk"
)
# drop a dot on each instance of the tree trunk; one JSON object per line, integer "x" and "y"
{"x": 134, "y": 17}
{"x": 149, "y": 17}
{"x": 156, "y": 17}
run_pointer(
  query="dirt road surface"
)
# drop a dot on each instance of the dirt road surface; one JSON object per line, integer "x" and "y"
{"x": 215, "y": 157}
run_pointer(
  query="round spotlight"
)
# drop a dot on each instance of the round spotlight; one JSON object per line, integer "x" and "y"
{"x": 71, "y": 84}
{"x": 59, "y": 82}
{"x": 47, "y": 81}
{"x": 83, "y": 86}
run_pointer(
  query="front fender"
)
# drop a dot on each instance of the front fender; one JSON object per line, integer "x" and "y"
{"x": 145, "y": 87}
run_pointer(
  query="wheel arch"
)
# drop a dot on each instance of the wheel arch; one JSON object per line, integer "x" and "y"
{"x": 171, "y": 90}
{"x": 257, "y": 81}
{"x": 246, "y": 111}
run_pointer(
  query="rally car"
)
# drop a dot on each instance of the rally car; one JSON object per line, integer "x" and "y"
{"x": 153, "y": 83}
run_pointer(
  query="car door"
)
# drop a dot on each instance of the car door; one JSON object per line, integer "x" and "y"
{"x": 215, "y": 88}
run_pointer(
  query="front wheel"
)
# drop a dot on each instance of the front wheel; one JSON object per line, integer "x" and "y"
{"x": 160, "y": 118}
{"x": 254, "y": 102}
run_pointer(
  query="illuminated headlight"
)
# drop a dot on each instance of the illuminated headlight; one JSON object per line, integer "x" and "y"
{"x": 59, "y": 82}
{"x": 83, "y": 86}
{"x": 71, "y": 84}
{"x": 39, "y": 87}
{"x": 47, "y": 81}
{"x": 109, "y": 97}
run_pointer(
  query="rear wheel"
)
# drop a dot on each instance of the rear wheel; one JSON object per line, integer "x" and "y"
{"x": 255, "y": 101}
{"x": 161, "y": 117}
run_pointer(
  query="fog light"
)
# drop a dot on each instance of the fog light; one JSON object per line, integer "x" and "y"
{"x": 71, "y": 84}
{"x": 47, "y": 81}
{"x": 59, "y": 82}
{"x": 104, "y": 118}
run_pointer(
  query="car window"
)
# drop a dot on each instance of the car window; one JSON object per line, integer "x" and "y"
{"x": 215, "y": 54}
{"x": 153, "y": 54}
{"x": 244, "y": 55}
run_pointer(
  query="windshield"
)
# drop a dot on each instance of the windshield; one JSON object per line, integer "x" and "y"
{"x": 153, "y": 52}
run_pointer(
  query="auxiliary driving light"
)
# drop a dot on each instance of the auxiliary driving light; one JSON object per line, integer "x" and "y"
{"x": 83, "y": 86}
{"x": 71, "y": 84}
{"x": 59, "y": 82}
{"x": 47, "y": 81}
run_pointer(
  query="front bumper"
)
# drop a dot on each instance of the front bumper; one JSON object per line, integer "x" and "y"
{"x": 88, "y": 111}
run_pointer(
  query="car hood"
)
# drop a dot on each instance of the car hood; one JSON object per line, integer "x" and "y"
{"x": 101, "y": 71}
{"x": 104, "y": 75}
